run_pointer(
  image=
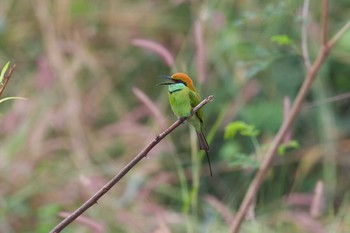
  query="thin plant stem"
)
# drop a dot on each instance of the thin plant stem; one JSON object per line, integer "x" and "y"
{"x": 196, "y": 162}
{"x": 339, "y": 34}
{"x": 185, "y": 194}
{"x": 340, "y": 97}
{"x": 324, "y": 23}
{"x": 256, "y": 145}
{"x": 304, "y": 24}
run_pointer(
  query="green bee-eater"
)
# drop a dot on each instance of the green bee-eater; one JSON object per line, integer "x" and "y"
{"x": 183, "y": 97}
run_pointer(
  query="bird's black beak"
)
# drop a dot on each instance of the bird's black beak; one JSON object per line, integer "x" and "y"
{"x": 166, "y": 83}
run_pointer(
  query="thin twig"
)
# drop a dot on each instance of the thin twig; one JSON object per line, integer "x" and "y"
{"x": 260, "y": 175}
{"x": 331, "y": 99}
{"x": 7, "y": 78}
{"x": 336, "y": 37}
{"x": 286, "y": 110}
{"x": 93, "y": 200}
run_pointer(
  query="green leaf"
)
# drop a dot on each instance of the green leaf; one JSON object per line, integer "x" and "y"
{"x": 12, "y": 98}
{"x": 281, "y": 39}
{"x": 293, "y": 144}
{"x": 4, "y": 71}
{"x": 240, "y": 127}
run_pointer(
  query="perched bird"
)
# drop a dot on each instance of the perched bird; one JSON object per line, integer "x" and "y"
{"x": 183, "y": 97}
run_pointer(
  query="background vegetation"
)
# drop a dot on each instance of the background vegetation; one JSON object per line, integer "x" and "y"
{"x": 89, "y": 70}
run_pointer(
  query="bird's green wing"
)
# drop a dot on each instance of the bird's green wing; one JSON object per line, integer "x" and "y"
{"x": 195, "y": 100}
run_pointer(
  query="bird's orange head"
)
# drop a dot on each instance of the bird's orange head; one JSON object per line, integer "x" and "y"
{"x": 184, "y": 78}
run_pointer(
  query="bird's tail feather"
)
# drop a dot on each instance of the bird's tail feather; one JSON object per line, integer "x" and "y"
{"x": 203, "y": 145}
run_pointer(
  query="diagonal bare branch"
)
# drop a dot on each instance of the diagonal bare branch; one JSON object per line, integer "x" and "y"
{"x": 93, "y": 200}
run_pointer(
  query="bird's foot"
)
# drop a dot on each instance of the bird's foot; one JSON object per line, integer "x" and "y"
{"x": 183, "y": 119}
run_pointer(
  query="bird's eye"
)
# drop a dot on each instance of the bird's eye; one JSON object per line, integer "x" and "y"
{"x": 180, "y": 81}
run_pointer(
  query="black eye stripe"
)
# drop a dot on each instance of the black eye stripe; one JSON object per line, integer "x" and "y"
{"x": 180, "y": 81}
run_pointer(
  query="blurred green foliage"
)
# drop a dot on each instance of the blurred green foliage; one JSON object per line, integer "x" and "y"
{"x": 3, "y": 71}
{"x": 77, "y": 65}
{"x": 282, "y": 149}
{"x": 281, "y": 39}
{"x": 242, "y": 128}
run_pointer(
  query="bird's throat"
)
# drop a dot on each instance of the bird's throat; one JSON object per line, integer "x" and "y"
{"x": 175, "y": 87}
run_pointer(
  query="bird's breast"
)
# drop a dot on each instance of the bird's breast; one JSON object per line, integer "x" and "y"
{"x": 180, "y": 103}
